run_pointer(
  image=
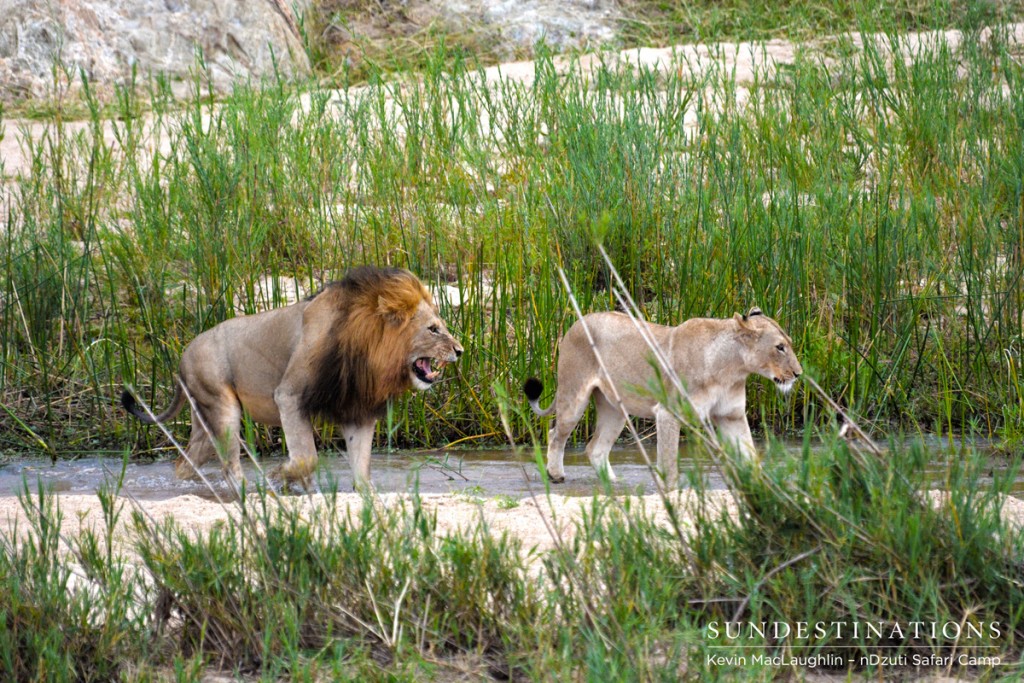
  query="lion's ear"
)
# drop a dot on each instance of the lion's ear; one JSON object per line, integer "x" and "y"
{"x": 754, "y": 311}
{"x": 397, "y": 306}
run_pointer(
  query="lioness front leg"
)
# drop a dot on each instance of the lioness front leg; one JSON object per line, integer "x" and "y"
{"x": 668, "y": 447}
{"x": 359, "y": 442}
{"x": 735, "y": 432}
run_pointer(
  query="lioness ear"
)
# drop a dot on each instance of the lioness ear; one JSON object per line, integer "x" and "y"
{"x": 743, "y": 322}
{"x": 754, "y": 311}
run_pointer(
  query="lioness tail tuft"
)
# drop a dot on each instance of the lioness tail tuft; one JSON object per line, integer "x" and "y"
{"x": 533, "y": 388}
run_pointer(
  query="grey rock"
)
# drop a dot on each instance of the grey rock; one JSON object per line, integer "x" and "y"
{"x": 562, "y": 24}
{"x": 105, "y": 39}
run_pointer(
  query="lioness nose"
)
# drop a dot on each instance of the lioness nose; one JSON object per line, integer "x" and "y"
{"x": 458, "y": 351}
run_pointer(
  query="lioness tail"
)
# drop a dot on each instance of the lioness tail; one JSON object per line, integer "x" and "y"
{"x": 533, "y": 388}
{"x": 133, "y": 407}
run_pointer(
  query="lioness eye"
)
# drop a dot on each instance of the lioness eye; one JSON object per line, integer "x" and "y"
{"x": 781, "y": 347}
{"x": 434, "y": 328}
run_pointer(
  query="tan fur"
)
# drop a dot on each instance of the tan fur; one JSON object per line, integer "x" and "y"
{"x": 341, "y": 354}
{"x": 713, "y": 357}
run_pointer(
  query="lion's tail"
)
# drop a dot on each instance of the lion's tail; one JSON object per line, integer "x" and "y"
{"x": 133, "y": 407}
{"x": 533, "y": 388}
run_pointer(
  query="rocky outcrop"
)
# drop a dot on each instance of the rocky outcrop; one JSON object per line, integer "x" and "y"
{"x": 563, "y": 25}
{"x": 105, "y": 39}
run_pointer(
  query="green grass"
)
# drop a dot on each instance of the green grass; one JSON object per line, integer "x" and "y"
{"x": 875, "y": 212}
{"x": 352, "y": 42}
{"x": 370, "y": 592}
{"x": 660, "y": 23}
{"x": 67, "y": 620}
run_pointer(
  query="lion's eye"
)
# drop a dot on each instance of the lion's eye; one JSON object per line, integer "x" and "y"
{"x": 435, "y": 329}
{"x": 780, "y": 347}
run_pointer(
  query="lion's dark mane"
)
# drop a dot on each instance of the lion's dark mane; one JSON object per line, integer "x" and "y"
{"x": 350, "y": 385}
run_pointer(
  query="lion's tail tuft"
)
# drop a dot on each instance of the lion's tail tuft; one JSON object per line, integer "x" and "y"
{"x": 130, "y": 404}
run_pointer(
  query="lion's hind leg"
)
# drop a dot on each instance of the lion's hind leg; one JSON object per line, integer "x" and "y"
{"x": 200, "y": 450}
{"x": 214, "y": 433}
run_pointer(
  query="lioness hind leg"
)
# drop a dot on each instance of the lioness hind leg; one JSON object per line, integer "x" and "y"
{"x": 569, "y": 408}
{"x": 610, "y": 422}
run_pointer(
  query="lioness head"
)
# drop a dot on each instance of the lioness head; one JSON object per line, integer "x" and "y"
{"x": 431, "y": 347}
{"x": 770, "y": 350}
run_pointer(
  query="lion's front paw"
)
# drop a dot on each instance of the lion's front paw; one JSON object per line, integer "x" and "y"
{"x": 233, "y": 473}
{"x": 183, "y": 469}
{"x": 282, "y": 479}
{"x": 556, "y": 478}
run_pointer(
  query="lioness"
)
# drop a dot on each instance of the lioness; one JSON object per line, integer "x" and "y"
{"x": 341, "y": 354}
{"x": 712, "y": 356}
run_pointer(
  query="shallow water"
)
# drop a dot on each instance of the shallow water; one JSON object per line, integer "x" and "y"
{"x": 477, "y": 473}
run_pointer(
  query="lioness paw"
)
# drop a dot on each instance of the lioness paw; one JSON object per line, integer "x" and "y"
{"x": 556, "y": 478}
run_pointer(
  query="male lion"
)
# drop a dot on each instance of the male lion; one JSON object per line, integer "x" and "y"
{"x": 713, "y": 357}
{"x": 341, "y": 354}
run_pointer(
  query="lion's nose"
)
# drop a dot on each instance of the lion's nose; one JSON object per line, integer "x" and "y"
{"x": 458, "y": 351}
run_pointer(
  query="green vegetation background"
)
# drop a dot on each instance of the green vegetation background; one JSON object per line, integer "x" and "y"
{"x": 874, "y": 209}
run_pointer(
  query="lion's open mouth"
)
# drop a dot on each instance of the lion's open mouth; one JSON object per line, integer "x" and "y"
{"x": 424, "y": 371}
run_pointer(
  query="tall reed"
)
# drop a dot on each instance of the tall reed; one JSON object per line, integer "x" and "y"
{"x": 873, "y": 208}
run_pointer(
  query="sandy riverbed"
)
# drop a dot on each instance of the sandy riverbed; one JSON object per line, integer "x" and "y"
{"x": 540, "y": 522}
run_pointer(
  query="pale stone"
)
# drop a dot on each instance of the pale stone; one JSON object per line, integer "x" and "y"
{"x": 241, "y": 40}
